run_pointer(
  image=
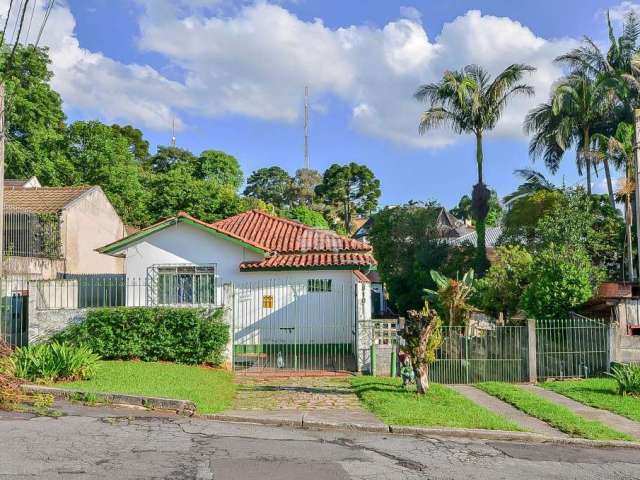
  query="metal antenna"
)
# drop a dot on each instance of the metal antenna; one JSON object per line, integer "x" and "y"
{"x": 306, "y": 127}
{"x": 173, "y": 131}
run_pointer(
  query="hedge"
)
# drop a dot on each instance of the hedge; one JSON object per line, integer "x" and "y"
{"x": 177, "y": 334}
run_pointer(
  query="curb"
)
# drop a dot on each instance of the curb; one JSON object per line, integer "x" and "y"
{"x": 181, "y": 407}
{"x": 458, "y": 433}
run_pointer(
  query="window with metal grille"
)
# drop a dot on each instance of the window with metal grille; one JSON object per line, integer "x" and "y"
{"x": 186, "y": 284}
{"x": 318, "y": 285}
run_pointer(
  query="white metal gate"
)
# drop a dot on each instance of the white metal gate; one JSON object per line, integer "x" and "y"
{"x": 294, "y": 326}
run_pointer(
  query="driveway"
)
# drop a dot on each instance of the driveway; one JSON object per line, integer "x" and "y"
{"x": 92, "y": 443}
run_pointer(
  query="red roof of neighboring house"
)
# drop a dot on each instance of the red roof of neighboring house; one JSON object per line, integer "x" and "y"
{"x": 284, "y": 236}
{"x": 311, "y": 260}
{"x": 286, "y": 244}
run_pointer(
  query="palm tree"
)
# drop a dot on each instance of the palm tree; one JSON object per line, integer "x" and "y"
{"x": 468, "y": 101}
{"x": 576, "y": 109}
{"x": 534, "y": 181}
{"x": 615, "y": 72}
{"x": 619, "y": 149}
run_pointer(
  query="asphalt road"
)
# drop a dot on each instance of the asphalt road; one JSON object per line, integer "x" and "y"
{"x": 91, "y": 443}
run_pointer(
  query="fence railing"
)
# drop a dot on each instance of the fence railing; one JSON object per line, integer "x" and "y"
{"x": 573, "y": 347}
{"x": 14, "y": 311}
{"x": 31, "y": 234}
{"x": 499, "y": 354}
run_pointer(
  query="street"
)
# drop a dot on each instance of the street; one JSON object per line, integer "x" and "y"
{"x": 95, "y": 443}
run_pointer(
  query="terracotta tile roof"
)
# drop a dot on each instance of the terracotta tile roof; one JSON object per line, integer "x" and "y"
{"x": 43, "y": 199}
{"x": 286, "y": 244}
{"x": 280, "y": 235}
{"x": 312, "y": 260}
{"x": 362, "y": 278}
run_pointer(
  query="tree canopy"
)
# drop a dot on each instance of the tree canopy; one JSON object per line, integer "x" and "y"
{"x": 352, "y": 189}
{"x": 271, "y": 185}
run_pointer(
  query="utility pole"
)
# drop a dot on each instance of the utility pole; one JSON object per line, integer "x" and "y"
{"x": 306, "y": 128}
{"x": 2, "y": 139}
{"x": 636, "y": 154}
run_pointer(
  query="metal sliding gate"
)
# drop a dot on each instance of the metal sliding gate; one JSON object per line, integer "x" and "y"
{"x": 294, "y": 326}
{"x": 14, "y": 311}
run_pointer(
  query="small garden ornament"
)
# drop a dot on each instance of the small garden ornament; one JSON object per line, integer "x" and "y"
{"x": 407, "y": 373}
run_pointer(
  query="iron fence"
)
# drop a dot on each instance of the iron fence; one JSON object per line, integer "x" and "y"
{"x": 573, "y": 347}
{"x": 283, "y": 326}
{"x": 471, "y": 356}
{"x": 14, "y": 311}
{"x": 31, "y": 234}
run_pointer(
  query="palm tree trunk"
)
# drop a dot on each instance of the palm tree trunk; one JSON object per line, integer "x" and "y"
{"x": 587, "y": 157}
{"x": 628, "y": 220}
{"x": 607, "y": 174}
{"x": 479, "y": 156}
{"x": 482, "y": 262}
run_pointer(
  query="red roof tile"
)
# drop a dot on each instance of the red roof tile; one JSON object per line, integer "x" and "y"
{"x": 312, "y": 260}
{"x": 280, "y": 235}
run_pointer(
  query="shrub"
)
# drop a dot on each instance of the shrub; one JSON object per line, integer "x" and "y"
{"x": 49, "y": 362}
{"x": 628, "y": 378}
{"x": 184, "y": 335}
{"x": 500, "y": 291}
{"x": 561, "y": 278}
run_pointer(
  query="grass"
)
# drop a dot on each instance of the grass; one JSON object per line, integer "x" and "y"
{"x": 440, "y": 407}
{"x": 599, "y": 393}
{"x": 557, "y": 416}
{"x": 211, "y": 390}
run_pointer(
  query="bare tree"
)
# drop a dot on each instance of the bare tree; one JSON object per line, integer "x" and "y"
{"x": 422, "y": 334}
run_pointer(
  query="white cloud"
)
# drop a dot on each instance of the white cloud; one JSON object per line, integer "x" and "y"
{"x": 618, "y": 12}
{"x": 255, "y": 59}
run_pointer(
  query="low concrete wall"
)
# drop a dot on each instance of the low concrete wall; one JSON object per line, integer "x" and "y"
{"x": 624, "y": 348}
{"x": 44, "y": 323}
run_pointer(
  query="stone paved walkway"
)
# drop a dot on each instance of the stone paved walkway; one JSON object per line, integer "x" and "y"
{"x": 612, "y": 420}
{"x": 503, "y": 409}
{"x": 296, "y": 400}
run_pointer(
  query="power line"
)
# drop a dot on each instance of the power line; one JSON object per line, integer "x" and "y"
{"x": 15, "y": 45}
{"x": 33, "y": 10}
{"x": 15, "y": 24}
{"x": 44, "y": 21}
{"x": 6, "y": 22}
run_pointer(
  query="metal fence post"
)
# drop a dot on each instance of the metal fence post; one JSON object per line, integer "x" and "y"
{"x": 373, "y": 359}
{"x": 533, "y": 360}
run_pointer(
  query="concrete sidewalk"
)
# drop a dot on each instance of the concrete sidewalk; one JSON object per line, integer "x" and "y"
{"x": 503, "y": 409}
{"x": 617, "y": 422}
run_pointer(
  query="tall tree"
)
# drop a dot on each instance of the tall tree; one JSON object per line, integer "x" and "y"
{"x": 571, "y": 118}
{"x": 463, "y": 210}
{"x": 35, "y": 122}
{"x": 168, "y": 157}
{"x": 137, "y": 144}
{"x": 469, "y": 102}
{"x": 219, "y": 166}
{"x": 353, "y": 188}
{"x": 619, "y": 149}
{"x": 305, "y": 182}
{"x": 101, "y": 156}
{"x": 271, "y": 185}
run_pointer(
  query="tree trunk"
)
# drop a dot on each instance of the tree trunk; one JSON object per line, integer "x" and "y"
{"x": 607, "y": 174}
{"x": 481, "y": 248}
{"x": 587, "y": 158}
{"x": 628, "y": 219}
{"x": 422, "y": 378}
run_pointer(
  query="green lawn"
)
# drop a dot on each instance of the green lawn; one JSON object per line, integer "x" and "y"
{"x": 441, "y": 407}
{"x": 555, "y": 415}
{"x": 599, "y": 393}
{"x": 211, "y": 390}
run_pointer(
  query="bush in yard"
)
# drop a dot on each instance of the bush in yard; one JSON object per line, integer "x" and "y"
{"x": 49, "y": 362}
{"x": 500, "y": 291}
{"x": 561, "y": 278}
{"x": 628, "y": 378}
{"x": 422, "y": 334}
{"x": 177, "y": 334}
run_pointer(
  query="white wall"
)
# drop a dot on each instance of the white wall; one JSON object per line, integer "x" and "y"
{"x": 86, "y": 224}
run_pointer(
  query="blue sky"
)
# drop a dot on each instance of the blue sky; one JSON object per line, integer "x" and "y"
{"x": 233, "y": 72}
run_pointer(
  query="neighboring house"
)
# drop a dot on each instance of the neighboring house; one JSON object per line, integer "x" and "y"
{"x": 297, "y": 293}
{"x": 32, "y": 182}
{"x": 51, "y": 232}
{"x": 492, "y": 235}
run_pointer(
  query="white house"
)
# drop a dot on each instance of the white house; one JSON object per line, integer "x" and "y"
{"x": 298, "y": 294}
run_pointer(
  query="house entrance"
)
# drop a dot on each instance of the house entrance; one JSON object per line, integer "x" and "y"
{"x": 306, "y": 327}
